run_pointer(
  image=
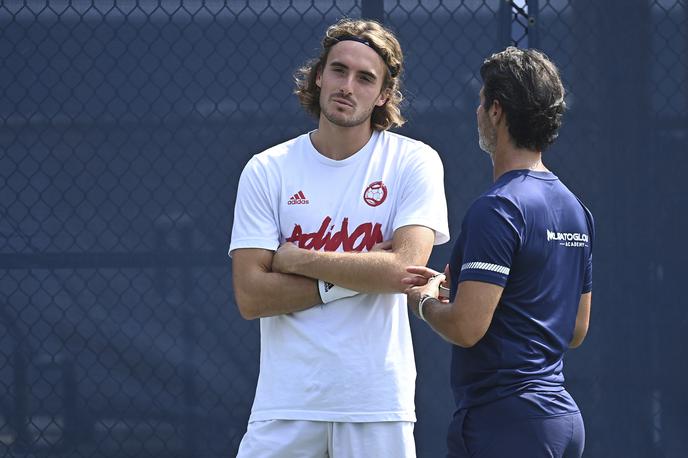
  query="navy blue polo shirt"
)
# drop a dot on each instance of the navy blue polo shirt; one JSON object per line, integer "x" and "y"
{"x": 531, "y": 235}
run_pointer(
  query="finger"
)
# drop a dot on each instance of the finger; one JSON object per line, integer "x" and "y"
{"x": 436, "y": 280}
{"x": 411, "y": 291}
{"x": 415, "y": 280}
{"x": 421, "y": 270}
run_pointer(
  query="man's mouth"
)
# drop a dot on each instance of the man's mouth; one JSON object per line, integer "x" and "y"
{"x": 343, "y": 101}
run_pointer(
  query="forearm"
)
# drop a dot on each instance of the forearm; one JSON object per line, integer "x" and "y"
{"x": 462, "y": 322}
{"x": 378, "y": 271}
{"x": 260, "y": 292}
{"x": 372, "y": 272}
{"x": 277, "y": 294}
{"x": 443, "y": 319}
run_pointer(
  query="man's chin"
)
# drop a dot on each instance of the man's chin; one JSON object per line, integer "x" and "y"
{"x": 486, "y": 149}
{"x": 342, "y": 121}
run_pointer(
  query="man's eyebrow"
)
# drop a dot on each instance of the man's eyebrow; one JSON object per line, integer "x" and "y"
{"x": 336, "y": 63}
{"x": 368, "y": 74}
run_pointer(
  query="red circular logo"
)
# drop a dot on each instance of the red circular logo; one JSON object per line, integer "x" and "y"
{"x": 375, "y": 193}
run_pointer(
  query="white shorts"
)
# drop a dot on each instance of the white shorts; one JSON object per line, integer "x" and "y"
{"x": 322, "y": 439}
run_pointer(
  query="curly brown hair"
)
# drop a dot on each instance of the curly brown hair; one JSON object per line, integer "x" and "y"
{"x": 379, "y": 39}
{"x": 528, "y": 87}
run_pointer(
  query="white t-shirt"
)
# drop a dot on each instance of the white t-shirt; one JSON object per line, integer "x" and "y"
{"x": 350, "y": 360}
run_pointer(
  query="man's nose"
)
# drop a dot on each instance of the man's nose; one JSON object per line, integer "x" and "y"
{"x": 347, "y": 84}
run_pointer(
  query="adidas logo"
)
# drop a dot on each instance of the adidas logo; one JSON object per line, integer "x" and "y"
{"x": 298, "y": 199}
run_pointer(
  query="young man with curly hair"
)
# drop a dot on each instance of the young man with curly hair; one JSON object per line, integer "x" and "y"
{"x": 520, "y": 278}
{"x": 337, "y": 373}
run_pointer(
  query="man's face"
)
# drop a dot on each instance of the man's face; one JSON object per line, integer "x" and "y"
{"x": 351, "y": 84}
{"x": 487, "y": 133}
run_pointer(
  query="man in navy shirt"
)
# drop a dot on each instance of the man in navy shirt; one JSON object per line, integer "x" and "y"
{"x": 520, "y": 278}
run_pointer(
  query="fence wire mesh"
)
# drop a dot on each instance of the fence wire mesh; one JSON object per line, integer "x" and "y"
{"x": 124, "y": 126}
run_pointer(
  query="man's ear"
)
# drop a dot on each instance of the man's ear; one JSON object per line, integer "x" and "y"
{"x": 318, "y": 77}
{"x": 383, "y": 97}
{"x": 495, "y": 112}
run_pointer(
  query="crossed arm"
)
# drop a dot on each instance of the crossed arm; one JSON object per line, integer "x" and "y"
{"x": 268, "y": 283}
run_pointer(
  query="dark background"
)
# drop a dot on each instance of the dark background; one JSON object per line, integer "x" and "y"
{"x": 124, "y": 127}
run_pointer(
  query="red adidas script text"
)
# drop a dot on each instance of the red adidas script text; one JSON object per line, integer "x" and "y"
{"x": 363, "y": 237}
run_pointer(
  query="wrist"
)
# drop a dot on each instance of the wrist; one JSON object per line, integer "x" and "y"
{"x": 330, "y": 292}
{"x": 290, "y": 261}
{"x": 300, "y": 261}
{"x": 424, "y": 299}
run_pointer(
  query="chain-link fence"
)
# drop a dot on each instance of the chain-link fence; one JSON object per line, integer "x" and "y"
{"x": 124, "y": 126}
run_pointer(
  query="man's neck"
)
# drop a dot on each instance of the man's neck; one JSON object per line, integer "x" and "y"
{"x": 339, "y": 143}
{"x": 508, "y": 157}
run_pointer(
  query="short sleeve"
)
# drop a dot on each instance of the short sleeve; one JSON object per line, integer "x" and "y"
{"x": 255, "y": 223}
{"x": 422, "y": 200}
{"x": 492, "y": 234}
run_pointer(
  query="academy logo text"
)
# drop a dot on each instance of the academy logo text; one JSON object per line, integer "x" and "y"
{"x": 570, "y": 239}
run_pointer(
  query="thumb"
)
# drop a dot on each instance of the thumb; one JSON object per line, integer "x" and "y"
{"x": 447, "y": 275}
{"x": 436, "y": 280}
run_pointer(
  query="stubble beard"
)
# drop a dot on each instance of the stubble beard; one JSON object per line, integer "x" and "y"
{"x": 343, "y": 120}
{"x": 487, "y": 139}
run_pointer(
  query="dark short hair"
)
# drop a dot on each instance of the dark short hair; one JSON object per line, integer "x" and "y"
{"x": 380, "y": 39}
{"x": 529, "y": 89}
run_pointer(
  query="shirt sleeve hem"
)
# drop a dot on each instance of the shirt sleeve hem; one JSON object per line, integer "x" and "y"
{"x": 484, "y": 276}
{"x": 441, "y": 233}
{"x": 252, "y": 243}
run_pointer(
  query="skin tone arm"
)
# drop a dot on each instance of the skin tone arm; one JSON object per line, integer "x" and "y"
{"x": 462, "y": 322}
{"x": 465, "y": 321}
{"x": 260, "y": 292}
{"x": 377, "y": 271}
{"x": 582, "y": 320}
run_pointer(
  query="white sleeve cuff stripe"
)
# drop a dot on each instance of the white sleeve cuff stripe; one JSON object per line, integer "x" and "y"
{"x": 486, "y": 266}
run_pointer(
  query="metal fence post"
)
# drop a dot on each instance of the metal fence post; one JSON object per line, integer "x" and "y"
{"x": 518, "y": 24}
{"x": 533, "y": 23}
{"x": 504, "y": 33}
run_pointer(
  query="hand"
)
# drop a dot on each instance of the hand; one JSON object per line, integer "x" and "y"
{"x": 286, "y": 257}
{"x": 425, "y": 282}
{"x": 422, "y": 274}
{"x": 446, "y": 285}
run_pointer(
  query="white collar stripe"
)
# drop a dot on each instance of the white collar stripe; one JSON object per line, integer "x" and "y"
{"x": 486, "y": 266}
